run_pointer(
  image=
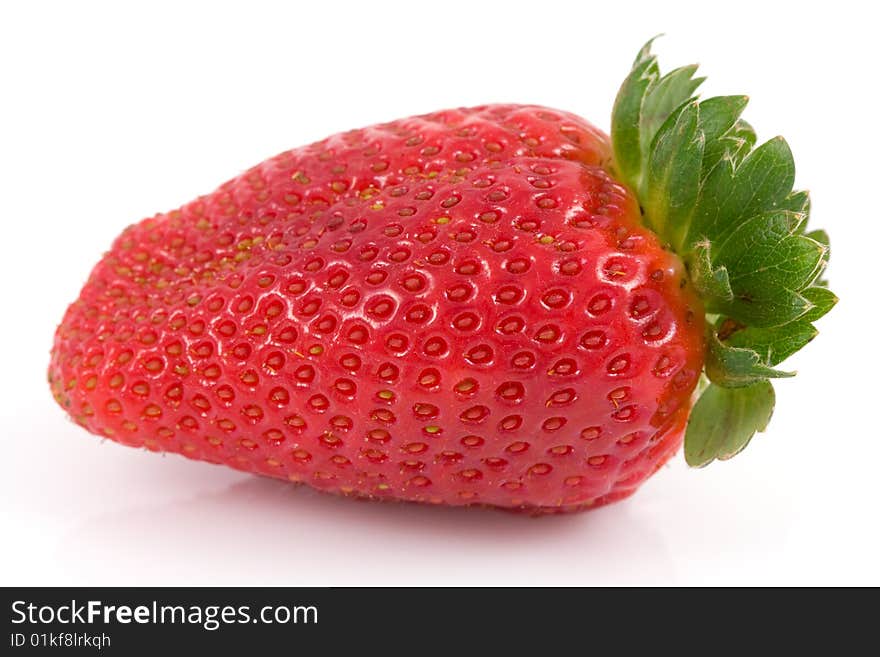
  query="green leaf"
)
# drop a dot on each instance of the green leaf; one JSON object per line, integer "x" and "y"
{"x": 713, "y": 285}
{"x": 729, "y": 210}
{"x": 670, "y": 92}
{"x": 739, "y": 141}
{"x": 717, "y": 118}
{"x": 626, "y": 116}
{"x": 820, "y": 236}
{"x": 768, "y": 263}
{"x": 644, "y": 103}
{"x": 766, "y": 250}
{"x": 767, "y": 307}
{"x": 735, "y": 367}
{"x": 673, "y": 176}
{"x": 775, "y": 344}
{"x": 645, "y": 51}
{"x": 719, "y": 114}
{"x": 797, "y": 202}
{"x": 724, "y": 420}
{"x": 822, "y": 299}
{"x": 759, "y": 184}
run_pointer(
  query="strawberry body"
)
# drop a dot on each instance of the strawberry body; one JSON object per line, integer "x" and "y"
{"x": 458, "y": 308}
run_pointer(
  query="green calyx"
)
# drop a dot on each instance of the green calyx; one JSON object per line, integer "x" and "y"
{"x": 727, "y": 208}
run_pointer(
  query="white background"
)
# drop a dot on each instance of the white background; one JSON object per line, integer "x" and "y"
{"x": 109, "y": 113}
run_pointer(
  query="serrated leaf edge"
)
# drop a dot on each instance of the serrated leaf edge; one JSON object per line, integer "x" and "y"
{"x": 770, "y": 299}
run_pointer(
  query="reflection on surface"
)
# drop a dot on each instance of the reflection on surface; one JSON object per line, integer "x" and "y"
{"x": 92, "y": 512}
{"x": 262, "y": 531}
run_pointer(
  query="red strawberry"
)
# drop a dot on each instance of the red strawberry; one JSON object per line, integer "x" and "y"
{"x": 466, "y": 307}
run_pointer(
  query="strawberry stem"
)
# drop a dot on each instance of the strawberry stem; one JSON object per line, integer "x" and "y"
{"x": 729, "y": 210}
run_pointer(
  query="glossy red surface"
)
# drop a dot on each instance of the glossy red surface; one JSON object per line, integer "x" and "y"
{"x": 459, "y": 308}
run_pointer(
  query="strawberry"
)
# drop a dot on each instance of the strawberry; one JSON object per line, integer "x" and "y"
{"x": 497, "y": 305}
